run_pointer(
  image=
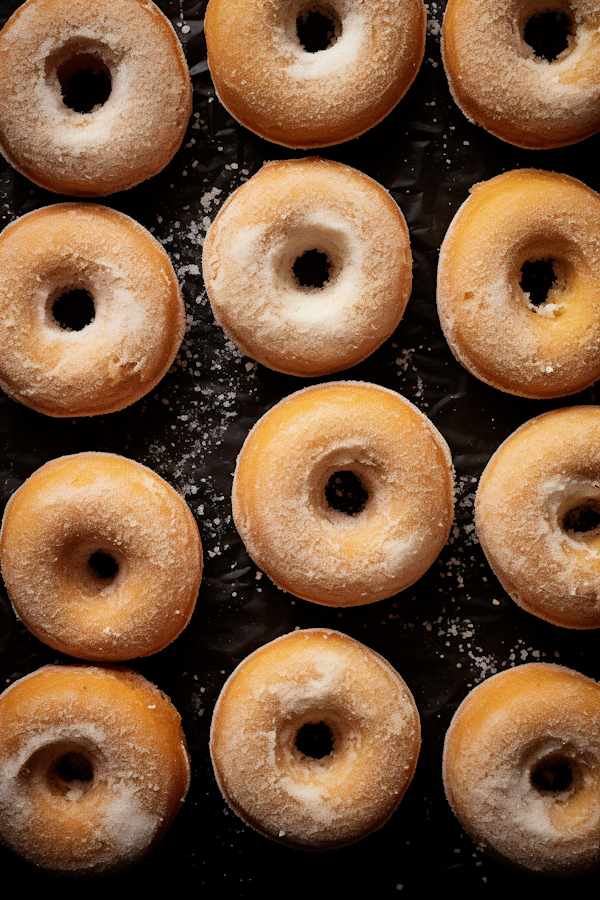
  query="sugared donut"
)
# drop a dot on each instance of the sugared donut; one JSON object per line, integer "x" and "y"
{"x": 343, "y": 493}
{"x": 538, "y": 516}
{"x": 522, "y": 768}
{"x": 93, "y": 768}
{"x": 131, "y": 49}
{"x": 91, "y": 314}
{"x": 518, "y": 228}
{"x": 499, "y": 81}
{"x": 286, "y": 213}
{"x": 268, "y": 80}
{"x": 101, "y": 558}
{"x": 275, "y": 704}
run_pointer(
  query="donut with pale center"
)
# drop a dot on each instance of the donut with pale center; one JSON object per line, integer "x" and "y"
{"x": 288, "y": 213}
{"x": 518, "y": 289}
{"x": 101, "y": 558}
{"x": 343, "y": 493}
{"x": 531, "y": 100}
{"x": 538, "y": 516}
{"x": 521, "y": 769}
{"x": 91, "y": 313}
{"x": 96, "y": 96}
{"x": 273, "y": 82}
{"x": 93, "y": 768}
{"x": 314, "y": 740}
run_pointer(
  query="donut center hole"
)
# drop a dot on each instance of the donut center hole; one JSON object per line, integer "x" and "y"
{"x": 73, "y": 310}
{"x": 85, "y": 83}
{"x": 315, "y": 739}
{"x": 583, "y": 519}
{"x": 537, "y": 279}
{"x": 312, "y": 269}
{"x": 548, "y": 33}
{"x": 71, "y": 775}
{"x": 103, "y": 565}
{"x": 345, "y": 492}
{"x": 554, "y": 773}
{"x": 317, "y": 29}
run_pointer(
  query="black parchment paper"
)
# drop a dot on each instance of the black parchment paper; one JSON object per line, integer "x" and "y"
{"x": 445, "y": 634}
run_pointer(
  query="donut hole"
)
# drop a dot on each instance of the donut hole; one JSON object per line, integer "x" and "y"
{"x": 345, "y": 493}
{"x": 318, "y": 28}
{"x": 315, "y": 740}
{"x": 548, "y": 33}
{"x": 65, "y": 769}
{"x": 555, "y": 773}
{"x": 73, "y": 309}
{"x": 312, "y": 269}
{"x": 103, "y": 565}
{"x": 85, "y": 82}
{"x": 583, "y": 521}
{"x": 537, "y": 278}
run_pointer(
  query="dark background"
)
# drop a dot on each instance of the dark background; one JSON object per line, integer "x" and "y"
{"x": 444, "y": 635}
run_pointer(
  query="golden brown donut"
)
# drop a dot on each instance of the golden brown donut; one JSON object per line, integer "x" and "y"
{"x": 93, "y": 768}
{"x": 138, "y": 312}
{"x": 290, "y": 208}
{"x": 267, "y": 80}
{"x": 101, "y": 558}
{"x": 525, "y": 216}
{"x": 498, "y": 81}
{"x": 538, "y": 512}
{"x": 522, "y": 768}
{"x": 116, "y": 144}
{"x": 324, "y": 678}
{"x": 286, "y": 481}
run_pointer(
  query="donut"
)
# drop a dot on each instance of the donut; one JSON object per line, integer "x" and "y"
{"x": 91, "y": 314}
{"x": 521, "y": 768}
{"x": 537, "y": 515}
{"x": 499, "y": 82}
{"x": 101, "y": 558}
{"x": 288, "y": 212}
{"x": 291, "y": 91}
{"x": 343, "y": 493}
{"x": 518, "y": 229}
{"x": 348, "y": 782}
{"x": 128, "y": 124}
{"x": 93, "y": 768}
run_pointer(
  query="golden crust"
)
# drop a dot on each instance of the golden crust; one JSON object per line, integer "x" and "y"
{"x": 269, "y": 83}
{"x": 493, "y": 329}
{"x": 286, "y": 209}
{"x": 139, "y": 312}
{"x": 315, "y": 676}
{"x": 129, "y": 735}
{"x": 510, "y": 744}
{"x": 319, "y": 553}
{"x": 79, "y": 505}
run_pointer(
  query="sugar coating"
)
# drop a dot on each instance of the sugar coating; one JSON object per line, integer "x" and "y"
{"x": 130, "y": 734}
{"x": 289, "y": 208}
{"x": 547, "y": 468}
{"x": 500, "y": 734}
{"x": 322, "y": 554}
{"x": 139, "y": 319}
{"x": 313, "y": 676}
{"x": 269, "y": 83}
{"x": 78, "y": 505}
{"x": 117, "y": 145}
{"x": 549, "y": 350}
{"x": 499, "y": 83}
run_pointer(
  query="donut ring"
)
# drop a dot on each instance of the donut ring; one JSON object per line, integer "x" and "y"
{"x": 533, "y": 509}
{"x": 93, "y": 768}
{"x": 320, "y": 677}
{"x": 138, "y": 312}
{"x": 522, "y": 768}
{"x": 281, "y": 493}
{"x": 290, "y": 208}
{"x": 498, "y": 81}
{"x": 266, "y": 79}
{"x": 524, "y": 216}
{"x": 114, "y": 146}
{"x": 101, "y": 558}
